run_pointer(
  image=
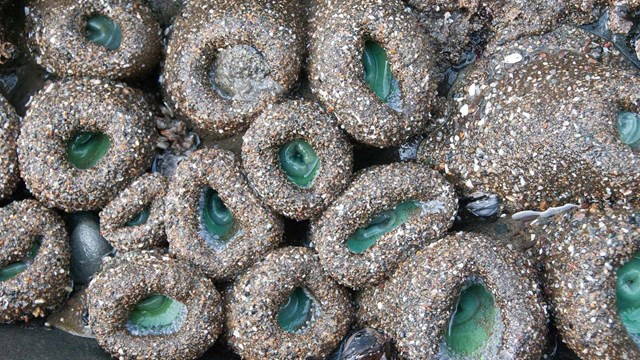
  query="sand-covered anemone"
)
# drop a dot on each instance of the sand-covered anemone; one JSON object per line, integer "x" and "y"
{"x": 461, "y": 297}
{"x": 592, "y": 278}
{"x": 287, "y": 307}
{"x": 540, "y": 128}
{"x": 227, "y": 61}
{"x": 135, "y": 219}
{"x": 214, "y": 219}
{"x": 370, "y": 63}
{"x": 9, "y": 129}
{"x": 164, "y": 308}
{"x": 34, "y": 261}
{"x": 383, "y": 217}
{"x": 82, "y": 142}
{"x": 112, "y": 38}
{"x": 297, "y": 158}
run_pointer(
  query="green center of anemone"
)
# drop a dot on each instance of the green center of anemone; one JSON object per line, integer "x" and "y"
{"x": 12, "y": 270}
{"x": 140, "y": 218}
{"x": 473, "y": 321}
{"x": 86, "y": 149}
{"x": 297, "y": 311}
{"x": 216, "y": 219}
{"x": 299, "y": 162}
{"x": 379, "y": 225}
{"x": 156, "y": 315}
{"x": 629, "y": 129}
{"x": 628, "y": 294}
{"x": 103, "y": 31}
{"x": 377, "y": 71}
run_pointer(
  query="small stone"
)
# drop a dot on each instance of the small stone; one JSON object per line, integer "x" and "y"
{"x": 88, "y": 247}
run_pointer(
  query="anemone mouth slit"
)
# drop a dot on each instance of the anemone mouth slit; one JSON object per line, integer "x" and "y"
{"x": 378, "y": 74}
{"x": 86, "y": 149}
{"x": 628, "y": 126}
{"x": 12, "y": 270}
{"x": 381, "y": 224}
{"x": 139, "y": 218}
{"x": 297, "y": 313}
{"x": 240, "y": 73}
{"x": 300, "y": 162}
{"x": 156, "y": 315}
{"x": 102, "y": 30}
{"x": 628, "y": 297}
{"x": 218, "y": 225}
{"x": 473, "y": 322}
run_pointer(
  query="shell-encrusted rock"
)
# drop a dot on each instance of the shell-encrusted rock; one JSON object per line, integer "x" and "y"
{"x": 266, "y": 31}
{"x": 76, "y": 37}
{"x": 135, "y": 276}
{"x": 581, "y": 256}
{"x": 256, "y": 298}
{"x": 341, "y": 31}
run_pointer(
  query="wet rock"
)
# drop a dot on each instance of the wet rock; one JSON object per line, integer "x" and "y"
{"x": 273, "y": 313}
{"x": 80, "y": 40}
{"x": 206, "y": 36}
{"x": 483, "y": 205}
{"x": 165, "y": 309}
{"x": 385, "y": 215}
{"x": 400, "y": 53}
{"x": 365, "y": 344}
{"x": 73, "y": 317}
{"x": 166, "y": 10}
{"x": 88, "y": 247}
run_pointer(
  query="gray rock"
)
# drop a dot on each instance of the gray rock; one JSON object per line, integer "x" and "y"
{"x": 484, "y": 205}
{"x": 88, "y": 247}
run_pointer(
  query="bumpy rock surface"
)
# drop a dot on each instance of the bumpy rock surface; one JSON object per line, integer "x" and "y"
{"x": 258, "y": 230}
{"x": 336, "y": 71}
{"x": 9, "y": 129}
{"x": 287, "y": 122}
{"x": 136, "y": 275}
{"x": 205, "y": 30}
{"x": 147, "y": 193}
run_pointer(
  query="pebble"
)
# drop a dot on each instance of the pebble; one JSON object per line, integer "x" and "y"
{"x": 88, "y": 247}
